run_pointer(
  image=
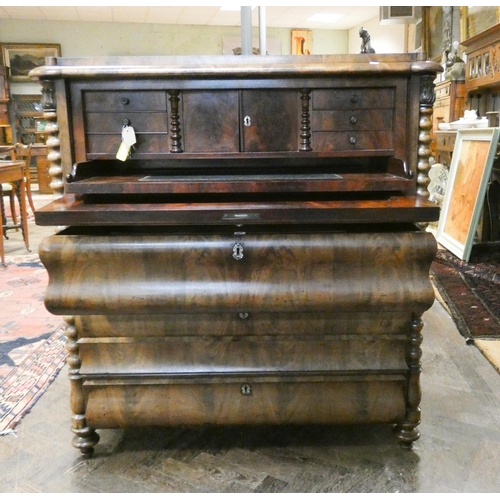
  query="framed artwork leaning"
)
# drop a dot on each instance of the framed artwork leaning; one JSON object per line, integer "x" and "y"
{"x": 21, "y": 58}
{"x": 470, "y": 170}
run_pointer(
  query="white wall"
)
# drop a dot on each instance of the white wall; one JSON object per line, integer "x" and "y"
{"x": 86, "y": 39}
{"x": 82, "y": 39}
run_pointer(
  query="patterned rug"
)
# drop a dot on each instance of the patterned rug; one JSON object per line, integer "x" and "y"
{"x": 32, "y": 343}
{"x": 471, "y": 291}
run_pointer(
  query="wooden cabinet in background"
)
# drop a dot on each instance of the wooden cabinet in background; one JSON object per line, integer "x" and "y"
{"x": 26, "y": 109}
{"x": 448, "y": 107}
{"x": 445, "y": 142}
{"x": 5, "y": 126}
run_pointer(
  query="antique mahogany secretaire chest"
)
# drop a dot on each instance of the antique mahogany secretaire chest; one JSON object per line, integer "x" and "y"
{"x": 257, "y": 255}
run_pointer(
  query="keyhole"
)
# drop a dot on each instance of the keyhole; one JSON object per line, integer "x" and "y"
{"x": 238, "y": 251}
{"x": 246, "y": 390}
{"x": 246, "y": 121}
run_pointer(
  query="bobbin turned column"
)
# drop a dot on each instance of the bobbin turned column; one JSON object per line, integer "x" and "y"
{"x": 175, "y": 126}
{"x": 53, "y": 143}
{"x": 305, "y": 122}
{"x": 85, "y": 437}
{"x": 407, "y": 432}
{"x": 427, "y": 98}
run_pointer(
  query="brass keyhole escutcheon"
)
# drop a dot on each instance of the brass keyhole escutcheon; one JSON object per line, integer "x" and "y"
{"x": 238, "y": 251}
{"x": 246, "y": 390}
{"x": 243, "y": 315}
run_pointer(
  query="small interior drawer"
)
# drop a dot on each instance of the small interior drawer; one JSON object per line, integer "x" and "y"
{"x": 353, "y": 98}
{"x": 124, "y": 100}
{"x": 113, "y": 122}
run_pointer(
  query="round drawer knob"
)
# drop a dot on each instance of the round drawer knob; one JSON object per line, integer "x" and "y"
{"x": 354, "y": 98}
{"x": 125, "y": 122}
{"x": 125, "y": 100}
{"x": 354, "y": 120}
{"x": 352, "y": 140}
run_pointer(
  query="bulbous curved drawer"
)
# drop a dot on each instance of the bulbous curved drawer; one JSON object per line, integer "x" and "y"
{"x": 197, "y": 273}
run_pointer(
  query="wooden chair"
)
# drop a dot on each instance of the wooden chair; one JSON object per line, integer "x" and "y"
{"x": 10, "y": 190}
{"x": 17, "y": 152}
{"x": 8, "y": 152}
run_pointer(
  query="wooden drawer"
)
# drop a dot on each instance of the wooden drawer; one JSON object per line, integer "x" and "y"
{"x": 352, "y": 140}
{"x": 323, "y": 121}
{"x": 445, "y": 141}
{"x": 245, "y": 400}
{"x": 442, "y": 92}
{"x": 113, "y": 122}
{"x": 106, "y": 145}
{"x": 240, "y": 324}
{"x": 124, "y": 101}
{"x": 203, "y": 273}
{"x": 353, "y": 98}
{"x": 203, "y": 355}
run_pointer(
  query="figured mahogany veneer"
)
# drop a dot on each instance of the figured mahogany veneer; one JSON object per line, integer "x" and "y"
{"x": 259, "y": 258}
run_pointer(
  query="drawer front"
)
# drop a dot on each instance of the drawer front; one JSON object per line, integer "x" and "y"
{"x": 445, "y": 142}
{"x": 353, "y": 140}
{"x": 324, "y": 121}
{"x": 124, "y": 101}
{"x": 113, "y": 122}
{"x": 107, "y": 144}
{"x": 442, "y": 92}
{"x": 244, "y": 401}
{"x": 202, "y": 355}
{"x": 354, "y": 98}
{"x": 243, "y": 323}
{"x": 201, "y": 273}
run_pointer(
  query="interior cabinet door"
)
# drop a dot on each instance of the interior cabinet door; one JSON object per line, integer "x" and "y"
{"x": 211, "y": 122}
{"x": 270, "y": 120}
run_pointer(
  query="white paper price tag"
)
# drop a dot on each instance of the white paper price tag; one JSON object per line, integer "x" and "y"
{"x": 128, "y": 140}
{"x": 128, "y": 136}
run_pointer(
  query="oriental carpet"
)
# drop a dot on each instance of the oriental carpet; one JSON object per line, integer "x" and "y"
{"x": 32, "y": 342}
{"x": 471, "y": 293}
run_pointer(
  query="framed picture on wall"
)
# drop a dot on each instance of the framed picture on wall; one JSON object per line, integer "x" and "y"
{"x": 21, "y": 58}
{"x": 470, "y": 170}
{"x": 301, "y": 42}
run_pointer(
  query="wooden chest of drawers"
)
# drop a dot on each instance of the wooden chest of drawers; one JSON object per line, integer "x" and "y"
{"x": 258, "y": 258}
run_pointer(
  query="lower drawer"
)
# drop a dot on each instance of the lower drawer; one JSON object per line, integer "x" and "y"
{"x": 256, "y": 401}
{"x": 205, "y": 356}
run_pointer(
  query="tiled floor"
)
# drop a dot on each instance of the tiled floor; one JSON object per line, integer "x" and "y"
{"x": 459, "y": 450}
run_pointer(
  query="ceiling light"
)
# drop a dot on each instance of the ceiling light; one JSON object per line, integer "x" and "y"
{"x": 325, "y": 18}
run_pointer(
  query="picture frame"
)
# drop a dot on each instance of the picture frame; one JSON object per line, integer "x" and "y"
{"x": 470, "y": 170}
{"x": 301, "y": 42}
{"x": 21, "y": 58}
